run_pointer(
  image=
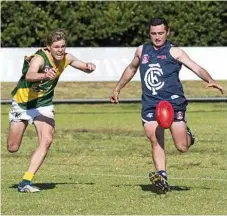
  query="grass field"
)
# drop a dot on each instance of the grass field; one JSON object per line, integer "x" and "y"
{"x": 100, "y": 159}
{"x": 71, "y": 90}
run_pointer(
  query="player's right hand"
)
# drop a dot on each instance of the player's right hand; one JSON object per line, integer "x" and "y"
{"x": 217, "y": 86}
{"x": 115, "y": 97}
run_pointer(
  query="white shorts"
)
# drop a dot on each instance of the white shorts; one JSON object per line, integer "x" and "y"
{"x": 17, "y": 114}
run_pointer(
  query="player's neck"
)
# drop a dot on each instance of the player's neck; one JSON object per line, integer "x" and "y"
{"x": 158, "y": 47}
{"x": 53, "y": 60}
{"x": 56, "y": 62}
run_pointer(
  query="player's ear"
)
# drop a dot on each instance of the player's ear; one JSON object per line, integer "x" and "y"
{"x": 168, "y": 31}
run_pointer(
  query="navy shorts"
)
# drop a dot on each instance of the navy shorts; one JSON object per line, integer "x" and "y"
{"x": 179, "y": 115}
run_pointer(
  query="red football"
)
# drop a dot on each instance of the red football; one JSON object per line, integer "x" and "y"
{"x": 164, "y": 114}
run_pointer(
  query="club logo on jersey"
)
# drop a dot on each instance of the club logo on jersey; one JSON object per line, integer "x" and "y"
{"x": 151, "y": 78}
{"x": 162, "y": 56}
{"x": 145, "y": 58}
{"x": 46, "y": 68}
{"x": 150, "y": 115}
{"x": 179, "y": 115}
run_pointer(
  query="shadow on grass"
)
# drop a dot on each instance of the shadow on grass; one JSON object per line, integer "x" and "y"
{"x": 49, "y": 186}
{"x": 153, "y": 189}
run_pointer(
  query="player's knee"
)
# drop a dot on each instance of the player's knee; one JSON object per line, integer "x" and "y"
{"x": 47, "y": 141}
{"x": 155, "y": 145}
{"x": 155, "y": 142}
{"x": 152, "y": 138}
{"x": 12, "y": 147}
{"x": 182, "y": 148}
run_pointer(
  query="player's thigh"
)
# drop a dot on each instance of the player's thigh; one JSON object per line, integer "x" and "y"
{"x": 16, "y": 132}
{"x": 179, "y": 134}
{"x": 154, "y": 132}
{"x": 45, "y": 127}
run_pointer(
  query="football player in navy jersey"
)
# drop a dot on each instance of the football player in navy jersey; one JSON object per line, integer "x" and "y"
{"x": 160, "y": 63}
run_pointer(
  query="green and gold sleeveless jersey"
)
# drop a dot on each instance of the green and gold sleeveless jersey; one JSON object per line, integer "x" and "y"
{"x": 31, "y": 95}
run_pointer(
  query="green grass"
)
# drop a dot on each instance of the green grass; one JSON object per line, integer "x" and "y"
{"x": 100, "y": 159}
{"x": 71, "y": 90}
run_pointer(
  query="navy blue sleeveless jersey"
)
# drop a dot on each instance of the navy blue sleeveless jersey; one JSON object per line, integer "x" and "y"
{"x": 159, "y": 73}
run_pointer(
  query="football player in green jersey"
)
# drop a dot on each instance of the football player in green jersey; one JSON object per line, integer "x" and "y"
{"x": 33, "y": 97}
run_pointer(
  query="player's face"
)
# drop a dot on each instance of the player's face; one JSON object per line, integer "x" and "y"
{"x": 57, "y": 50}
{"x": 158, "y": 35}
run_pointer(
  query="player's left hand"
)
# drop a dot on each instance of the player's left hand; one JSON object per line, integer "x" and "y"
{"x": 217, "y": 86}
{"x": 115, "y": 97}
{"x": 90, "y": 67}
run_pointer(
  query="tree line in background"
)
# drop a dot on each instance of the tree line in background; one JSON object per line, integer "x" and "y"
{"x": 112, "y": 23}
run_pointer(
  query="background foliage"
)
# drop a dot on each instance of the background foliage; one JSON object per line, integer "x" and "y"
{"x": 114, "y": 23}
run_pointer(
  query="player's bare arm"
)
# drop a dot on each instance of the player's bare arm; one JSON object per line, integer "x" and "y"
{"x": 86, "y": 67}
{"x": 37, "y": 64}
{"x": 182, "y": 57}
{"x": 127, "y": 75}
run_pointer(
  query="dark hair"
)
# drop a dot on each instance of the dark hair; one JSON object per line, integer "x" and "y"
{"x": 55, "y": 35}
{"x": 159, "y": 21}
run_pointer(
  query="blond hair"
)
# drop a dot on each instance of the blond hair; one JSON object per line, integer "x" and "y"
{"x": 55, "y": 35}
